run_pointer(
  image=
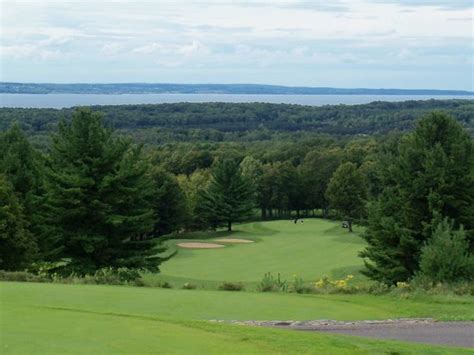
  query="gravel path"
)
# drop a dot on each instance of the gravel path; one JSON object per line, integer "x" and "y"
{"x": 415, "y": 330}
{"x": 443, "y": 333}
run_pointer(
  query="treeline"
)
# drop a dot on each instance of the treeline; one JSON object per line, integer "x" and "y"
{"x": 216, "y": 122}
{"x": 243, "y": 89}
{"x": 94, "y": 199}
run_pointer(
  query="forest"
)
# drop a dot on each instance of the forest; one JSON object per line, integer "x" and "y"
{"x": 91, "y": 198}
{"x": 249, "y": 122}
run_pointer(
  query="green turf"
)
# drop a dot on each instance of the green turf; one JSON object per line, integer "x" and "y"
{"x": 309, "y": 250}
{"x": 60, "y": 319}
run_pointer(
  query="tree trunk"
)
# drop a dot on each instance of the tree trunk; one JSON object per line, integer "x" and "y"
{"x": 349, "y": 222}
{"x": 264, "y": 213}
{"x": 229, "y": 226}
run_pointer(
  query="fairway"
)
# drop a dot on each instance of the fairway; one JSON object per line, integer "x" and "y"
{"x": 60, "y": 319}
{"x": 308, "y": 250}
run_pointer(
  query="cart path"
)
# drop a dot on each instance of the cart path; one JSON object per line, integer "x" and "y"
{"x": 425, "y": 331}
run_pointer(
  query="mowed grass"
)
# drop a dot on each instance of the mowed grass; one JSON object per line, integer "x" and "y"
{"x": 60, "y": 319}
{"x": 309, "y": 250}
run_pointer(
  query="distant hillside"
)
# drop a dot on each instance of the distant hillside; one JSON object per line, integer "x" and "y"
{"x": 253, "y": 89}
{"x": 218, "y": 122}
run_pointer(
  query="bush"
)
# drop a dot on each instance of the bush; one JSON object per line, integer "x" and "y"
{"x": 21, "y": 276}
{"x": 231, "y": 286}
{"x": 165, "y": 284}
{"x": 325, "y": 285}
{"x": 446, "y": 258}
{"x": 270, "y": 284}
{"x": 299, "y": 286}
{"x": 188, "y": 286}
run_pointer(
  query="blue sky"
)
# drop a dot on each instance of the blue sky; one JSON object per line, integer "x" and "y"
{"x": 364, "y": 43}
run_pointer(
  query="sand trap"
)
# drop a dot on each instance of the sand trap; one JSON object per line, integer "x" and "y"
{"x": 233, "y": 240}
{"x": 197, "y": 245}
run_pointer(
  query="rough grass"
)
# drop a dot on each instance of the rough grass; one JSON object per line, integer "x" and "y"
{"x": 67, "y": 319}
{"x": 309, "y": 250}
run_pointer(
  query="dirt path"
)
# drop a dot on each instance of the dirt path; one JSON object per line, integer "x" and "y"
{"x": 415, "y": 330}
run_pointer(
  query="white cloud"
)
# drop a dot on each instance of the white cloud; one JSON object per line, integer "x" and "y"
{"x": 148, "y": 49}
{"x": 29, "y": 51}
{"x": 288, "y": 36}
{"x": 111, "y": 49}
{"x": 195, "y": 47}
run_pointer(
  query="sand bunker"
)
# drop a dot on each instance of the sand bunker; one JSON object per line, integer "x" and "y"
{"x": 197, "y": 245}
{"x": 233, "y": 240}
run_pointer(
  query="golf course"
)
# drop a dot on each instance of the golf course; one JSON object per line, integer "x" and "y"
{"x": 57, "y": 318}
{"x": 322, "y": 247}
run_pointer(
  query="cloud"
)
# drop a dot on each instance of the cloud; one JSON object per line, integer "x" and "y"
{"x": 111, "y": 49}
{"x": 445, "y": 4}
{"x": 227, "y": 40}
{"x": 195, "y": 47}
{"x": 29, "y": 51}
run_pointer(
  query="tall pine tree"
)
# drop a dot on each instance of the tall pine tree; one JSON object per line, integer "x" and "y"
{"x": 22, "y": 165}
{"x": 430, "y": 175}
{"x": 229, "y": 197}
{"x": 168, "y": 202}
{"x": 99, "y": 197}
{"x": 17, "y": 246}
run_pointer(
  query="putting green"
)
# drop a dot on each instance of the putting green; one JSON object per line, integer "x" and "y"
{"x": 309, "y": 250}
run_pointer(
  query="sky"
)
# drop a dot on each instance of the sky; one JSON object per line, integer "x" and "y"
{"x": 339, "y": 43}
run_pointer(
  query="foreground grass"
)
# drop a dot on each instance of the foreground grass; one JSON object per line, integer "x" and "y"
{"x": 56, "y": 318}
{"x": 309, "y": 250}
{"x": 204, "y": 305}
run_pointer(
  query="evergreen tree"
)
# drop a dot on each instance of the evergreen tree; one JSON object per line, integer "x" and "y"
{"x": 99, "y": 197}
{"x": 431, "y": 174}
{"x": 168, "y": 202}
{"x": 23, "y": 167}
{"x": 346, "y": 192}
{"x": 229, "y": 197}
{"x": 17, "y": 246}
{"x": 446, "y": 257}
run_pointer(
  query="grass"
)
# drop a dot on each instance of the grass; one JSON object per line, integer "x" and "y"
{"x": 309, "y": 250}
{"x": 68, "y": 319}
{"x": 58, "y": 318}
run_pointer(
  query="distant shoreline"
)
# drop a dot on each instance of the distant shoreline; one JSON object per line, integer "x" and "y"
{"x": 64, "y": 100}
{"x": 209, "y": 89}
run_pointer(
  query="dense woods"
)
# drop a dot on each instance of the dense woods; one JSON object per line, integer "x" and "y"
{"x": 91, "y": 198}
{"x": 252, "y": 122}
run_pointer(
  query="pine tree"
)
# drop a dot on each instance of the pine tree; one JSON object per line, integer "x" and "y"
{"x": 229, "y": 197}
{"x": 168, "y": 203}
{"x": 347, "y": 192}
{"x": 99, "y": 197}
{"x": 22, "y": 164}
{"x": 17, "y": 245}
{"x": 446, "y": 257}
{"x": 431, "y": 174}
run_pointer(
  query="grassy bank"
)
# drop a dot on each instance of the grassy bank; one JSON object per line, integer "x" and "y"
{"x": 57, "y": 318}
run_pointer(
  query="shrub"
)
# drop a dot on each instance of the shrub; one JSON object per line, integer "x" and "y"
{"x": 325, "y": 285}
{"x": 21, "y": 276}
{"x": 446, "y": 257}
{"x": 231, "y": 286}
{"x": 188, "y": 286}
{"x": 165, "y": 284}
{"x": 271, "y": 284}
{"x": 299, "y": 286}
